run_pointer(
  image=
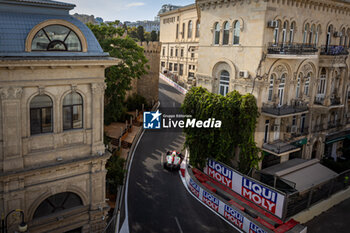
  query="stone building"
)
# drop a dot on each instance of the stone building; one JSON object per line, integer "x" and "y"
{"x": 179, "y": 35}
{"x": 292, "y": 55}
{"x": 52, "y": 156}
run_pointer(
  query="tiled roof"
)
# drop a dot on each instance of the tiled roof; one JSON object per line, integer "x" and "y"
{"x": 45, "y": 2}
{"x": 14, "y": 28}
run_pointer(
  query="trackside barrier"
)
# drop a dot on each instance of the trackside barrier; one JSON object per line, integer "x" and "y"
{"x": 262, "y": 195}
{"x": 233, "y": 214}
{"x": 173, "y": 84}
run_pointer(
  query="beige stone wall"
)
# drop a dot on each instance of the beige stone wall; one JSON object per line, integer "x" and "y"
{"x": 179, "y": 42}
{"x": 251, "y": 55}
{"x": 147, "y": 85}
{"x": 34, "y": 167}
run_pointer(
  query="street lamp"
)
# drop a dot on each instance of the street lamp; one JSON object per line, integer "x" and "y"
{"x": 22, "y": 227}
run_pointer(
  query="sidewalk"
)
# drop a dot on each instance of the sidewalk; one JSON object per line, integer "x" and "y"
{"x": 333, "y": 220}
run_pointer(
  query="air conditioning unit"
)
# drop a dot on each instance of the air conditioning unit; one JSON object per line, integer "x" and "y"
{"x": 272, "y": 24}
{"x": 337, "y": 34}
{"x": 293, "y": 129}
{"x": 244, "y": 74}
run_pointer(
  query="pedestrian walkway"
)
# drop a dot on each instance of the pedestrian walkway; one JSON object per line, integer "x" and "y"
{"x": 333, "y": 220}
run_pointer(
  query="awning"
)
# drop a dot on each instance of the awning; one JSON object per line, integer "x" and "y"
{"x": 306, "y": 174}
{"x": 336, "y": 140}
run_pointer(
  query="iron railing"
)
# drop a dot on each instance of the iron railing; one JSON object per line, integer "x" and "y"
{"x": 292, "y": 48}
{"x": 283, "y": 110}
{"x": 334, "y": 50}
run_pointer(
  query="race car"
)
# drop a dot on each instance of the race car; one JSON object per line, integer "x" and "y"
{"x": 173, "y": 160}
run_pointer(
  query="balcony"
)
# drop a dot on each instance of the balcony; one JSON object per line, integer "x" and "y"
{"x": 285, "y": 110}
{"x": 334, "y": 50}
{"x": 280, "y": 147}
{"x": 294, "y": 132}
{"x": 335, "y": 100}
{"x": 292, "y": 50}
{"x": 334, "y": 124}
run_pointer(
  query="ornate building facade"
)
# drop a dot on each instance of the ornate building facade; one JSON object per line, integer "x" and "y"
{"x": 293, "y": 56}
{"x": 179, "y": 35}
{"x": 52, "y": 156}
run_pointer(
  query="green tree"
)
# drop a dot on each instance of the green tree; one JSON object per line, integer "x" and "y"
{"x": 132, "y": 32}
{"x": 154, "y": 36}
{"x": 238, "y": 115}
{"x": 140, "y": 33}
{"x": 147, "y": 36}
{"x": 118, "y": 77}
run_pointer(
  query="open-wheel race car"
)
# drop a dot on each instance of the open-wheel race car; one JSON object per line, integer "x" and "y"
{"x": 173, "y": 160}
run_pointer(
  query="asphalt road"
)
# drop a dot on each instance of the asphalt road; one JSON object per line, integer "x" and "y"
{"x": 157, "y": 200}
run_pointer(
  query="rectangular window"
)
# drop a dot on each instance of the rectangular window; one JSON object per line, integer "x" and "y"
{"x": 294, "y": 121}
{"x": 163, "y": 51}
{"x": 177, "y": 31}
{"x": 182, "y": 53}
{"x": 163, "y": 64}
{"x": 176, "y": 52}
{"x": 193, "y": 67}
{"x": 266, "y": 135}
{"x": 181, "y": 71}
{"x": 171, "y": 52}
{"x": 189, "y": 67}
{"x": 40, "y": 120}
{"x": 192, "y": 55}
{"x": 175, "y": 67}
{"x": 170, "y": 66}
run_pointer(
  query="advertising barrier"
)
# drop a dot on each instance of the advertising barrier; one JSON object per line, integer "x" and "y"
{"x": 173, "y": 84}
{"x": 233, "y": 215}
{"x": 260, "y": 194}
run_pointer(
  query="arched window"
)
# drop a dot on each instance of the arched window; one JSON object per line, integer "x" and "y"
{"x": 276, "y": 33}
{"x": 224, "y": 82}
{"x": 270, "y": 93}
{"x": 216, "y": 33}
{"x": 317, "y": 34}
{"x": 177, "y": 31}
{"x": 226, "y": 33}
{"x": 329, "y": 35}
{"x": 183, "y": 30}
{"x": 291, "y": 32}
{"x": 306, "y": 30}
{"x": 56, "y": 38}
{"x": 189, "y": 29}
{"x": 284, "y": 32}
{"x": 197, "y": 28}
{"x": 57, "y": 203}
{"x": 307, "y": 84}
{"x": 297, "y": 94}
{"x": 311, "y": 33}
{"x": 236, "y": 31}
{"x": 72, "y": 111}
{"x": 41, "y": 115}
{"x": 342, "y": 38}
{"x": 281, "y": 89}
{"x": 347, "y": 35}
{"x": 322, "y": 83}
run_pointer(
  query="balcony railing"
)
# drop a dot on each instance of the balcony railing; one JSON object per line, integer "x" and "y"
{"x": 319, "y": 100}
{"x": 292, "y": 48}
{"x": 335, "y": 100}
{"x": 295, "y": 131}
{"x": 334, "y": 124}
{"x": 334, "y": 50}
{"x": 283, "y": 110}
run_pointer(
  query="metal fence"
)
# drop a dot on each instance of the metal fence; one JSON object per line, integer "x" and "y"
{"x": 298, "y": 202}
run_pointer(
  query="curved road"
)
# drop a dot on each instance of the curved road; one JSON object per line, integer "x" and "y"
{"x": 157, "y": 199}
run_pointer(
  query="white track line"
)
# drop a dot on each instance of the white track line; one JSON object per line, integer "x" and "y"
{"x": 126, "y": 221}
{"x": 178, "y": 224}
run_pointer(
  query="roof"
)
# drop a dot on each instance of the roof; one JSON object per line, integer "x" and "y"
{"x": 47, "y": 3}
{"x": 15, "y": 26}
{"x": 304, "y": 173}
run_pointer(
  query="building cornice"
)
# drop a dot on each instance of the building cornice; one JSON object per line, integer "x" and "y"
{"x": 179, "y": 10}
{"x": 337, "y": 7}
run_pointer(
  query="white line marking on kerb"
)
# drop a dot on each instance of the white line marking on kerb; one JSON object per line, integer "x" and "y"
{"x": 178, "y": 225}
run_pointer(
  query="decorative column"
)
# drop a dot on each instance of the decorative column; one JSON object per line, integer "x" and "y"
{"x": 97, "y": 117}
{"x": 10, "y": 129}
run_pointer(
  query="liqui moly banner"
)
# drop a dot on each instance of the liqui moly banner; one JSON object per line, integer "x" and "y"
{"x": 262, "y": 195}
{"x": 234, "y": 216}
